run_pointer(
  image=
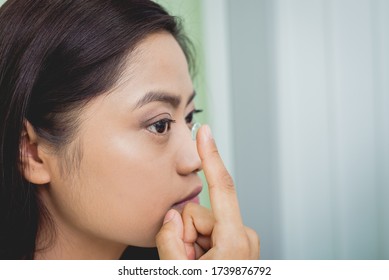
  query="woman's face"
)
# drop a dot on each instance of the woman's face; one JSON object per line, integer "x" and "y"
{"x": 137, "y": 160}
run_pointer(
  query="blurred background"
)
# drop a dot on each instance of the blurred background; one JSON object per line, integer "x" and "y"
{"x": 297, "y": 95}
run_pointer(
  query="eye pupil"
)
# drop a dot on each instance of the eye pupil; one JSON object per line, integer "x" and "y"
{"x": 189, "y": 118}
{"x": 161, "y": 126}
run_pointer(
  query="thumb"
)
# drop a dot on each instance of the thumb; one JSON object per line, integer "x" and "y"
{"x": 170, "y": 243}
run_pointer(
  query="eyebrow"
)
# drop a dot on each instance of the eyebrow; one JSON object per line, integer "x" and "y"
{"x": 158, "y": 96}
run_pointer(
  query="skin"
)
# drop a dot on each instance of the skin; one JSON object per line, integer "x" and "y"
{"x": 199, "y": 233}
{"x": 130, "y": 174}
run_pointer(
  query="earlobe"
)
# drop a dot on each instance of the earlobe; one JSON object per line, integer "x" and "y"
{"x": 33, "y": 165}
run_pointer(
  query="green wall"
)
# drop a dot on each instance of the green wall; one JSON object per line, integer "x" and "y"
{"x": 189, "y": 11}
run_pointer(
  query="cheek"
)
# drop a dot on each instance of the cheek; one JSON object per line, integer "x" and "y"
{"x": 127, "y": 189}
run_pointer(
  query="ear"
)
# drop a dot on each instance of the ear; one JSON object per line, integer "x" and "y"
{"x": 33, "y": 165}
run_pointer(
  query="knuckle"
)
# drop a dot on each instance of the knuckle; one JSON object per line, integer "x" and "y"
{"x": 252, "y": 234}
{"x": 242, "y": 245}
{"x": 196, "y": 211}
{"x": 214, "y": 153}
{"x": 225, "y": 180}
{"x": 188, "y": 208}
{"x": 191, "y": 209}
{"x": 255, "y": 242}
{"x": 239, "y": 247}
{"x": 228, "y": 181}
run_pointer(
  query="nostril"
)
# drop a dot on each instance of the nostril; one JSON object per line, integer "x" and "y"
{"x": 195, "y": 129}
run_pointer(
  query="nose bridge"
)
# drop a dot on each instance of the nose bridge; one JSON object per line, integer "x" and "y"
{"x": 188, "y": 159}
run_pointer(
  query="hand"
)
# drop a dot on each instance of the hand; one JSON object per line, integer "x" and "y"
{"x": 202, "y": 233}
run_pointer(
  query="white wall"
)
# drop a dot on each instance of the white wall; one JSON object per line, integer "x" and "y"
{"x": 310, "y": 102}
{"x": 333, "y": 123}
{"x": 217, "y": 65}
{"x": 381, "y": 76}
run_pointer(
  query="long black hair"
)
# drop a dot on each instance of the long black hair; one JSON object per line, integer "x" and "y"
{"x": 55, "y": 56}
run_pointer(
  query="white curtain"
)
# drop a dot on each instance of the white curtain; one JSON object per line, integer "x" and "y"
{"x": 332, "y": 61}
{"x": 308, "y": 83}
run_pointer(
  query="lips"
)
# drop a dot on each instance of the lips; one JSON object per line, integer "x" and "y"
{"x": 192, "y": 197}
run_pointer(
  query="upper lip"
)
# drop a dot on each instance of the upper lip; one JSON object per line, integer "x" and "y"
{"x": 192, "y": 195}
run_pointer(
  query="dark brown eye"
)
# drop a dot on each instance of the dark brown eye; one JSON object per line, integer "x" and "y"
{"x": 161, "y": 127}
{"x": 189, "y": 117}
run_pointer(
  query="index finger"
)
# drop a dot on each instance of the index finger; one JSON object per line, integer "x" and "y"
{"x": 222, "y": 193}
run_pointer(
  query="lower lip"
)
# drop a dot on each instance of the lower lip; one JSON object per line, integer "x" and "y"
{"x": 180, "y": 206}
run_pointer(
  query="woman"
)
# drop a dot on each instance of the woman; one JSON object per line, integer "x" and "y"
{"x": 96, "y": 149}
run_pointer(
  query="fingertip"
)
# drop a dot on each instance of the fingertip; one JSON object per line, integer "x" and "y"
{"x": 205, "y": 141}
{"x": 190, "y": 251}
{"x": 170, "y": 215}
{"x": 207, "y": 132}
{"x": 169, "y": 239}
{"x": 204, "y": 133}
{"x": 173, "y": 223}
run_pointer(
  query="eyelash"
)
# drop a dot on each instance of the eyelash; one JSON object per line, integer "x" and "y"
{"x": 189, "y": 117}
{"x": 165, "y": 124}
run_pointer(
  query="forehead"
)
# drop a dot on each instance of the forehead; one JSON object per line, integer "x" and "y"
{"x": 157, "y": 64}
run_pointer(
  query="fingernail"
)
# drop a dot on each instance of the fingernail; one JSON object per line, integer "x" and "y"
{"x": 207, "y": 132}
{"x": 169, "y": 216}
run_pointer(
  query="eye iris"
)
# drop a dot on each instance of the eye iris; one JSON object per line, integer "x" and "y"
{"x": 161, "y": 126}
{"x": 189, "y": 118}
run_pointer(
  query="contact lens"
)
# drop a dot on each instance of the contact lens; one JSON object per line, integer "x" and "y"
{"x": 195, "y": 128}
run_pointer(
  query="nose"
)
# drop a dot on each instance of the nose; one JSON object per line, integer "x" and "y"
{"x": 188, "y": 159}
